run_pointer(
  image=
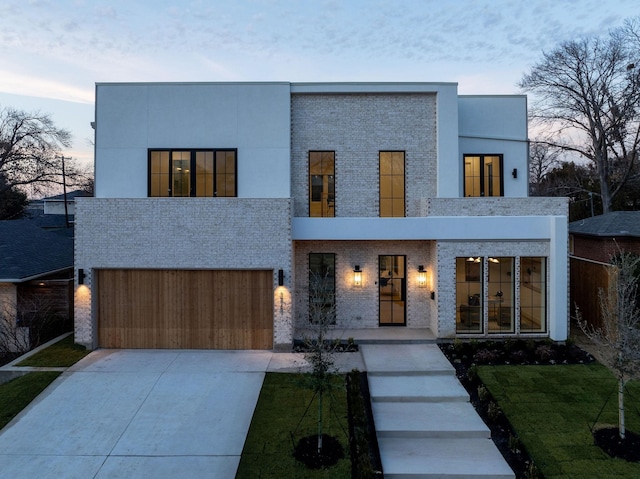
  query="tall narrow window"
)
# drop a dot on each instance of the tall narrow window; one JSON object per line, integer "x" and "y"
{"x": 533, "y": 295}
{"x": 322, "y": 190}
{"x": 192, "y": 173}
{"x": 159, "y": 173}
{"x": 322, "y": 288}
{"x": 501, "y": 299}
{"x": 392, "y": 184}
{"x": 181, "y": 173}
{"x": 483, "y": 175}
{"x": 469, "y": 297}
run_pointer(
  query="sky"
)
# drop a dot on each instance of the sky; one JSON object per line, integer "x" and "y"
{"x": 53, "y": 52}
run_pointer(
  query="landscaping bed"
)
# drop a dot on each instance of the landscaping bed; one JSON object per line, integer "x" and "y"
{"x": 468, "y": 356}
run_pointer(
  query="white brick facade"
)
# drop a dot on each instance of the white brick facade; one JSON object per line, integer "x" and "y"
{"x": 182, "y": 233}
{"x": 357, "y": 306}
{"x": 273, "y": 127}
{"x": 357, "y": 127}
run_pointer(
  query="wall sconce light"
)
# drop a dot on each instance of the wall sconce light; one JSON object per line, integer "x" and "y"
{"x": 433, "y": 295}
{"x": 514, "y": 173}
{"x": 280, "y": 277}
{"x": 357, "y": 276}
{"x": 422, "y": 276}
{"x": 81, "y": 276}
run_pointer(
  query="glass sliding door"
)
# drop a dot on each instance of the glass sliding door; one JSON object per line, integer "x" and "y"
{"x": 392, "y": 290}
{"x": 501, "y": 299}
{"x": 469, "y": 297}
{"x": 533, "y": 295}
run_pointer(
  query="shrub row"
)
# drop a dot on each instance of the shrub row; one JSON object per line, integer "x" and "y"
{"x": 365, "y": 455}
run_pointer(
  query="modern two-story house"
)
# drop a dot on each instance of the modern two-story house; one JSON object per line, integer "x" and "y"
{"x": 219, "y": 205}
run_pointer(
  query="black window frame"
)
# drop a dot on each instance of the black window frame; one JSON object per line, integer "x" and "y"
{"x": 392, "y": 198}
{"x": 482, "y": 156}
{"x": 323, "y": 277}
{"x": 331, "y": 195}
{"x": 193, "y": 171}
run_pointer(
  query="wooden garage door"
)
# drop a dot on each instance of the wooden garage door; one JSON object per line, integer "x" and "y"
{"x": 185, "y": 309}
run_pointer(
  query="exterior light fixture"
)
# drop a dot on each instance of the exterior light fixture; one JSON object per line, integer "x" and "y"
{"x": 433, "y": 295}
{"x": 422, "y": 276}
{"x": 280, "y": 277}
{"x": 81, "y": 276}
{"x": 514, "y": 173}
{"x": 357, "y": 276}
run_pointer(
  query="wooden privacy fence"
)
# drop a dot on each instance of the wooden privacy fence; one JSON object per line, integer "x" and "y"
{"x": 587, "y": 277}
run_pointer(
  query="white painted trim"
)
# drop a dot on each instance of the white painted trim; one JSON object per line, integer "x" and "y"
{"x": 442, "y": 228}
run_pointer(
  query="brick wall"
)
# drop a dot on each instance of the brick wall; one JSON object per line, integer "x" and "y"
{"x": 447, "y": 251}
{"x": 602, "y": 249}
{"x": 182, "y": 233}
{"x": 357, "y": 127}
{"x": 357, "y": 307}
{"x": 494, "y": 206}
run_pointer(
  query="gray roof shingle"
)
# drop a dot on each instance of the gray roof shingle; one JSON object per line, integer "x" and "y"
{"x": 616, "y": 223}
{"x": 27, "y": 251}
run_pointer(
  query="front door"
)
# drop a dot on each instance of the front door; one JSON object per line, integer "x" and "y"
{"x": 392, "y": 290}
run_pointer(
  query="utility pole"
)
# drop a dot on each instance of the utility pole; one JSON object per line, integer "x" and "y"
{"x": 64, "y": 191}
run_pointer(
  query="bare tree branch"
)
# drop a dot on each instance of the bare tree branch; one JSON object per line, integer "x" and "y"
{"x": 31, "y": 147}
{"x": 587, "y": 92}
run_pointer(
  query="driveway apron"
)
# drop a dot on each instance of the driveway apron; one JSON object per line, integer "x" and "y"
{"x": 138, "y": 413}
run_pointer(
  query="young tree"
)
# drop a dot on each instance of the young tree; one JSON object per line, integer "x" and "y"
{"x": 322, "y": 313}
{"x": 31, "y": 150}
{"x": 618, "y": 339}
{"x": 587, "y": 92}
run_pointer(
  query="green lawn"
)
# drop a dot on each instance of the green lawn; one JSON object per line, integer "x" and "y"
{"x": 283, "y": 403}
{"x": 18, "y": 393}
{"x": 62, "y": 354}
{"x": 551, "y": 409}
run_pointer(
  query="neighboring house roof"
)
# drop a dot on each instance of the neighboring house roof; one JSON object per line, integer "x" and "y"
{"x": 70, "y": 196}
{"x": 28, "y": 251}
{"x": 616, "y": 223}
{"x": 55, "y": 223}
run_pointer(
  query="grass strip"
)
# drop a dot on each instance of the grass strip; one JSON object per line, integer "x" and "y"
{"x": 285, "y": 406}
{"x": 62, "y": 354}
{"x": 16, "y": 394}
{"x": 552, "y": 408}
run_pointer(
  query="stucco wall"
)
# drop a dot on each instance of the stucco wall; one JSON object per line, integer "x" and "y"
{"x": 497, "y": 124}
{"x": 252, "y": 117}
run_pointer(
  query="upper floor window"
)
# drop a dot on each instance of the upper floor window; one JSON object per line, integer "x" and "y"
{"x": 483, "y": 175}
{"x": 322, "y": 186}
{"x": 392, "y": 183}
{"x": 192, "y": 173}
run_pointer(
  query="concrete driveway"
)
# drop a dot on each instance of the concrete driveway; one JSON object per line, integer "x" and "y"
{"x": 140, "y": 413}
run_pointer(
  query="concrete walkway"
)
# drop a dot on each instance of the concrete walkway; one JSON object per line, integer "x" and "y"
{"x": 138, "y": 414}
{"x": 167, "y": 413}
{"x": 425, "y": 425}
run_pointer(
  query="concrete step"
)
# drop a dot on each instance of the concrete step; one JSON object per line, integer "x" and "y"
{"x": 433, "y": 388}
{"x": 381, "y": 358}
{"x": 442, "y": 458}
{"x": 392, "y": 342}
{"x": 426, "y": 419}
